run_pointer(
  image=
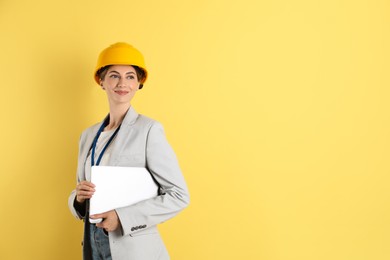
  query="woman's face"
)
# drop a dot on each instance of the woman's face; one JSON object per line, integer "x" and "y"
{"x": 120, "y": 83}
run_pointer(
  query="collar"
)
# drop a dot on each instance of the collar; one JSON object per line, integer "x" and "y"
{"x": 129, "y": 119}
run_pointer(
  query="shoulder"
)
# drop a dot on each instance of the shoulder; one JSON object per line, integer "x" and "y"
{"x": 90, "y": 131}
{"x": 147, "y": 121}
{"x": 134, "y": 119}
{"x": 148, "y": 126}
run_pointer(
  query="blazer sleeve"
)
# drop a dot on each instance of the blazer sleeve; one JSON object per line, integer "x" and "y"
{"x": 78, "y": 211}
{"x": 162, "y": 163}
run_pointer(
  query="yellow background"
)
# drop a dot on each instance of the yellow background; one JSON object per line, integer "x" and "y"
{"x": 278, "y": 111}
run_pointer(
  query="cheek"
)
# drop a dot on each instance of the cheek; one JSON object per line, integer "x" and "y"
{"x": 134, "y": 86}
{"x": 108, "y": 85}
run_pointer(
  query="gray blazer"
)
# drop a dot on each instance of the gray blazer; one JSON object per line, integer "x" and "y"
{"x": 140, "y": 142}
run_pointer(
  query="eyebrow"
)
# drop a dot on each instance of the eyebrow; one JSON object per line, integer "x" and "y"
{"x": 114, "y": 71}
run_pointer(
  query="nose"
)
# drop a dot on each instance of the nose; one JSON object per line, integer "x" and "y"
{"x": 121, "y": 82}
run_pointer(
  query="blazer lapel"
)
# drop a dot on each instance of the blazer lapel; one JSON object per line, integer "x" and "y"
{"x": 123, "y": 134}
{"x": 88, "y": 145}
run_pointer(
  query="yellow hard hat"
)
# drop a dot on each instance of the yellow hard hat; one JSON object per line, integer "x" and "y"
{"x": 120, "y": 53}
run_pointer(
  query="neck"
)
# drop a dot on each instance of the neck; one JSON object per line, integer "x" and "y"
{"x": 117, "y": 113}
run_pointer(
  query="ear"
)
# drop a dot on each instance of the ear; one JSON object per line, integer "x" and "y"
{"x": 101, "y": 84}
{"x": 141, "y": 84}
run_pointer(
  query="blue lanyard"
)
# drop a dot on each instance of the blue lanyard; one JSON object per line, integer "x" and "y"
{"x": 105, "y": 147}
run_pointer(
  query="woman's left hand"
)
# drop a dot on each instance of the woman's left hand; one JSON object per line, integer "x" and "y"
{"x": 110, "y": 220}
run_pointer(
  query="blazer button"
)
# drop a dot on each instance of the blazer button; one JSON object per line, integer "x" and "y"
{"x": 132, "y": 229}
{"x": 144, "y": 226}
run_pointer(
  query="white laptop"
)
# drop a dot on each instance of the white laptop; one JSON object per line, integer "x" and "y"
{"x": 117, "y": 187}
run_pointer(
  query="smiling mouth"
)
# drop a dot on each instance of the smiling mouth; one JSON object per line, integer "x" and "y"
{"x": 121, "y": 92}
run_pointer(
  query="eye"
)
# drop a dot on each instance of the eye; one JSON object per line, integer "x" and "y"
{"x": 114, "y": 76}
{"x": 130, "y": 77}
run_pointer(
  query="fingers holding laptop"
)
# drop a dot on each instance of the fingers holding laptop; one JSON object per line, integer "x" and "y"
{"x": 110, "y": 220}
{"x": 84, "y": 190}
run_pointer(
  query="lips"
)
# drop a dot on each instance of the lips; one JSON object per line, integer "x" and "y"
{"x": 121, "y": 92}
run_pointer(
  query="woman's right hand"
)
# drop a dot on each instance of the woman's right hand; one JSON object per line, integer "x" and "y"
{"x": 84, "y": 190}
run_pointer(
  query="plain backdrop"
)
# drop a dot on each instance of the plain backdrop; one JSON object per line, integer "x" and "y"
{"x": 278, "y": 111}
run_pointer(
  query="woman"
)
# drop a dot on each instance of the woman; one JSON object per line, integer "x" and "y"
{"x": 126, "y": 138}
